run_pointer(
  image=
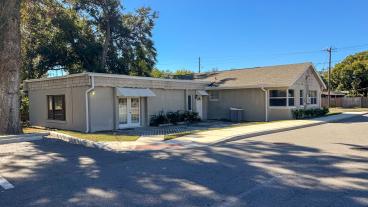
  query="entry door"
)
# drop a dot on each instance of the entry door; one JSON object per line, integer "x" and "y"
{"x": 129, "y": 112}
{"x": 199, "y": 106}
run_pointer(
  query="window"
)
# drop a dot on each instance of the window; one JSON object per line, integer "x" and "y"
{"x": 278, "y": 98}
{"x": 301, "y": 97}
{"x": 189, "y": 102}
{"x": 214, "y": 95}
{"x": 291, "y": 97}
{"x": 282, "y": 98}
{"x": 56, "y": 107}
{"x": 312, "y": 96}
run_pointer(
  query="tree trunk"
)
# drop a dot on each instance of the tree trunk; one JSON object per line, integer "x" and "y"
{"x": 9, "y": 66}
{"x": 105, "y": 46}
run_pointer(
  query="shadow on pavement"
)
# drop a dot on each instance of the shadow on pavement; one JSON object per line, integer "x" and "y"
{"x": 54, "y": 173}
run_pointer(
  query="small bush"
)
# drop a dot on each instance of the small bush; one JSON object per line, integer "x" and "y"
{"x": 309, "y": 113}
{"x": 24, "y": 110}
{"x": 158, "y": 119}
{"x": 174, "y": 117}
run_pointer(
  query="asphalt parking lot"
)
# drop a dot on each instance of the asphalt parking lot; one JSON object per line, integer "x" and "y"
{"x": 324, "y": 165}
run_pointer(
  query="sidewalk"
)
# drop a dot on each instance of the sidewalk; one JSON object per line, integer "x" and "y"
{"x": 206, "y": 137}
{"x": 8, "y": 139}
{"x": 213, "y": 137}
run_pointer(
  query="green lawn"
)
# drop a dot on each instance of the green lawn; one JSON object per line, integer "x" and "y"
{"x": 341, "y": 110}
{"x": 97, "y": 137}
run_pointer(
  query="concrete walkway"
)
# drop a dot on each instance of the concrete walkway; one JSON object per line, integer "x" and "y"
{"x": 212, "y": 137}
{"x": 225, "y": 134}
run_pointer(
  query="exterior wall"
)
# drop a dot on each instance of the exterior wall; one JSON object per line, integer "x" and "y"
{"x": 307, "y": 82}
{"x": 279, "y": 114}
{"x": 74, "y": 108}
{"x": 251, "y": 100}
{"x": 102, "y": 109}
{"x": 141, "y": 82}
{"x": 166, "y": 101}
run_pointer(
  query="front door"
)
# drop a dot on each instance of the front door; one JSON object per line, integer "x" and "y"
{"x": 199, "y": 106}
{"x": 129, "y": 112}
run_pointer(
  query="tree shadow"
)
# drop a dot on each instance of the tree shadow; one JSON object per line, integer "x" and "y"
{"x": 254, "y": 173}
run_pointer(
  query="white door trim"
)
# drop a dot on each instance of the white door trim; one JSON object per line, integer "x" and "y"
{"x": 129, "y": 123}
{"x": 199, "y": 106}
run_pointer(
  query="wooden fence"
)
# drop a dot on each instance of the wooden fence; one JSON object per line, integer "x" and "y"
{"x": 346, "y": 102}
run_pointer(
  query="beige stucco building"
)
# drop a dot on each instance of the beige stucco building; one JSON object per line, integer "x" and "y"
{"x": 263, "y": 93}
{"x": 92, "y": 102}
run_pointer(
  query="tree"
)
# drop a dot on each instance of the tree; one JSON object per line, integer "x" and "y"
{"x": 351, "y": 74}
{"x": 86, "y": 35}
{"x": 9, "y": 66}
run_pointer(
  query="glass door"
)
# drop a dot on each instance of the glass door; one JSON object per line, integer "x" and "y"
{"x": 129, "y": 112}
{"x": 134, "y": 112}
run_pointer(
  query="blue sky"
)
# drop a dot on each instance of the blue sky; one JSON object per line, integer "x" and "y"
{"x": 242, "y": 33}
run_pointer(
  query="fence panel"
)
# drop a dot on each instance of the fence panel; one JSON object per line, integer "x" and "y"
{"x": 365, "y": 102}
{"x": 350, "y": 102}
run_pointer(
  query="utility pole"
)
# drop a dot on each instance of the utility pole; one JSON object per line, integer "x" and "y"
{"x": 199, "y": 64}
{"x": 329, "y": 50}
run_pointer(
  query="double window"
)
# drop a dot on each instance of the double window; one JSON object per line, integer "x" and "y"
{"x": 312, "y": 96}
{"x": 214, "y": 95}
{"x": 280, "y": 98}
{"x": 56, "y": 107}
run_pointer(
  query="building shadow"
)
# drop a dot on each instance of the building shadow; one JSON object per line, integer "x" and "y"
{"x": 254, "y": 173}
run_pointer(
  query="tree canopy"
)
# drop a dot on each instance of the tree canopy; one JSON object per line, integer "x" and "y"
{"x": 351, "y": 74}
{"x": 86, "y": 35}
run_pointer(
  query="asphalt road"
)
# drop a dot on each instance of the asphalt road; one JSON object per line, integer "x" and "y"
{"x": 325, "y": 165}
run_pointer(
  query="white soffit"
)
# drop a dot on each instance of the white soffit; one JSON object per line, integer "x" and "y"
{"x": 134, "y": 92}
{"x": 202, "y": 93}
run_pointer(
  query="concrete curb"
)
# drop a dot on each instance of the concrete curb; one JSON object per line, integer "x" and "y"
{"x": 78, "y": 141}
{"x": 8, "y": 139}
{"x": 244, "y": 136}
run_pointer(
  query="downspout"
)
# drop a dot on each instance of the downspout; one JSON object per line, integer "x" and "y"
{"x": 87, "y": 101}
{"x": 266, "y": 103}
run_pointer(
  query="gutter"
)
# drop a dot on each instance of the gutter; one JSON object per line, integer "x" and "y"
{"x": 87, "y": 101}
{"x": 266, "y": 103}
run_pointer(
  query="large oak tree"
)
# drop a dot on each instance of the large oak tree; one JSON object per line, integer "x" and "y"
{"x": 9, "y": 66}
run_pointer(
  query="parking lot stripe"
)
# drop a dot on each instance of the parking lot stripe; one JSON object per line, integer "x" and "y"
{"x": 5, "y": 184}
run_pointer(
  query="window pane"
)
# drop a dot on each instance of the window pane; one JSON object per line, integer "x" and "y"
{"x": 278, "y": 102}
{"x": 189, "y": 103}
{"x": 291, "y": 93}
{"x": 277, "y": 93}
{"x": 214, "y": 95}
{"x": 58, "y": 102}
{"x": 291, "y": 101}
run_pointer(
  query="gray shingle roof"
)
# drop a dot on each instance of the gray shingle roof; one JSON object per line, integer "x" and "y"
{"x": 269, "y": 76}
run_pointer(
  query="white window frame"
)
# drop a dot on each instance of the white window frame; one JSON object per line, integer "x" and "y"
{"x": 310, "y": 98}
{"x": 191, "y": 103}
{"x": 286, "y": 97}
{"x": 210, "y": 95}
{"x": 301, "y": 98}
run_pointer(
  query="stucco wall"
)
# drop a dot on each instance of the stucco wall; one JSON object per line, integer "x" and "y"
{"x": 251, "y": 100}
{"x": 308, "y": 81}
{"x": 102, "y": 109}
{"x": 74, "y": 108}
{"x": 279, "y": 114}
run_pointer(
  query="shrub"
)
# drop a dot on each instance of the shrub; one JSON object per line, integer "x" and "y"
{"x": 191, "y": 116}
{"x": 24, "y": 110}
{"x": 158, "y": 119}
{"x": 309, "y": 113}
{"x": 174, "y": 117}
